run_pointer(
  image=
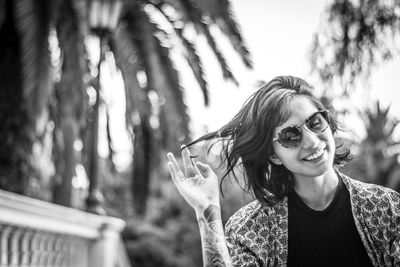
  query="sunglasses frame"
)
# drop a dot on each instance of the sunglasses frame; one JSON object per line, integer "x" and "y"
{"x": 324, "y": 113}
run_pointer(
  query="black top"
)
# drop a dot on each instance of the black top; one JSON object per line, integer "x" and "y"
{"x": 324, "y": 238}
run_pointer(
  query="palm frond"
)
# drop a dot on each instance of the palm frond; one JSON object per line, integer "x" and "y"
{"x": 174, "y": 104}
{"x": 191, "y": 55}
{"x": 381, "y": 124}
{"x": 196, "y": 65}
{"x": 162, "y": 77}
{"x": 191, "y": 13}
{"x": 226, "y": 71}
{"x": 15, "y": 133}
{"x": 33, "y": 24}
{"x": 138, "y": 112}
{"x": 127, "y": 58}
{"x": 221, "y": 14}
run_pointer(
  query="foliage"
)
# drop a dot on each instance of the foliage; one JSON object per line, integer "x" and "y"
{"x": 46, "y": 78}
{"x": 22, "y": 123}
{"x": 168, "y": 237}
{"x": 377, "y": 159}
{"x": 355, "y": 37}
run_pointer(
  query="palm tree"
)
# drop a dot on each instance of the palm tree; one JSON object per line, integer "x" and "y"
{"x": 377, "y": 158}
{"x": 26, "y": 83}
{"x": 45, "y": 73}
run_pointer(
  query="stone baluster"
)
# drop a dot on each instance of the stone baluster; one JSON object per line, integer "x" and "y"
{"x": 15, "y": 247}
{"x": 58, "y": 252}
{"x": 34, "y": 247}
{"x": 51, "y": 256}
{"x": 25, "y": 248}
{"x": 5, "y": 233}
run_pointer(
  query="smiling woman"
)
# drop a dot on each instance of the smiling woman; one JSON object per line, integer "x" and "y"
{"x": 306, "y": 212}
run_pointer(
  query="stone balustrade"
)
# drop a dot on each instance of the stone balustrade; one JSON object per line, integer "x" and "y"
{"x": 35, "y": 233}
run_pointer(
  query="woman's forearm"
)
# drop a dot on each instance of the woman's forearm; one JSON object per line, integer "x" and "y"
{"x": 215, "y": 251}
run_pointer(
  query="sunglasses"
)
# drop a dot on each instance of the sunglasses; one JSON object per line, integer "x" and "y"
{"x": 290, "y": 137}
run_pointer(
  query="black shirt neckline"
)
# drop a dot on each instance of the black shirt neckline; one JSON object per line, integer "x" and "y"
{"x": 336, "y": 204}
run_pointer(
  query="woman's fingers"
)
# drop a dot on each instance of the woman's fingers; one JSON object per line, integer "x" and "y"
{"x": 177, "y": 178}
{"x": 190, "y": 168}
{"x": 174, "y": 168}
{"x": 174, "y": 174}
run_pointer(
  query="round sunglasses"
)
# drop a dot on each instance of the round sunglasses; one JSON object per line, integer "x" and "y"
{"x": 291, "y": 136}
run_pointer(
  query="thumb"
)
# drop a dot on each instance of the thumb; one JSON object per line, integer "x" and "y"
{"x": 203, "y": 168}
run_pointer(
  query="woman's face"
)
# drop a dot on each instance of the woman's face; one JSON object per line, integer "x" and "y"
{"x": 314, "y": 155}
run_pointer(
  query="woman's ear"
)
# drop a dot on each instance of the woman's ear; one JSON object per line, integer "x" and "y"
{"x": 274, "y": 158}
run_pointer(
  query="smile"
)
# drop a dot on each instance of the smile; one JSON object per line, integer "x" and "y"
{"x": 316, "y": 155}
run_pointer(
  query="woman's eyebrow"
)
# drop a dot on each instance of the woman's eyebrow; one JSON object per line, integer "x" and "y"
{"x": 295, "y": 124}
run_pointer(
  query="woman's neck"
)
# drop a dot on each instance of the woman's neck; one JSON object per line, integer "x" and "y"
{"x": 317, "y": 192}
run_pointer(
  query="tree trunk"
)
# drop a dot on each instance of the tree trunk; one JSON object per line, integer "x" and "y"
{"x": 66, "y": 163}
{"x": 141, "y": 167}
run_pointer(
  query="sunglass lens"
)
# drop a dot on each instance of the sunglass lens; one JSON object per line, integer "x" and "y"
{"x": 290, "y": 136}
{"x": 317, "y": 123}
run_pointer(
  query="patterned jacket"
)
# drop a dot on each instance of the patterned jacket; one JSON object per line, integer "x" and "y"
{"x": 257, "y": 235}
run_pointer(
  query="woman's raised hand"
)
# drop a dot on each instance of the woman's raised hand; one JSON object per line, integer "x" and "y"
{"x": 197, "y": 183}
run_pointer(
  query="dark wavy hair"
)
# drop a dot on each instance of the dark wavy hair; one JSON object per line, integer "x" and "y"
{"x": 247, "y": 138}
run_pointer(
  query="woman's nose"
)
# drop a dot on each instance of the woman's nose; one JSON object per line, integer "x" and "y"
{"x": 310, "y": 139}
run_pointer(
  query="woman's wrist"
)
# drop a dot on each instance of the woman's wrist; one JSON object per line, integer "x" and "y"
{"x": 209, "y": 211}
{"x": 215, "y": 251}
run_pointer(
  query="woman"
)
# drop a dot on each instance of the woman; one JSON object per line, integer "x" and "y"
{"x": 306, "y": 213}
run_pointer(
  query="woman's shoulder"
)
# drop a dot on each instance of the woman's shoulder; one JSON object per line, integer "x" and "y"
{"x": 255, "y": 215}
{"x": 371, "y": 191}
{"x": 243, "y": 215}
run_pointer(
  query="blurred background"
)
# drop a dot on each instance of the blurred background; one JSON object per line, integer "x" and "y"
{"x": 95, "y": 93}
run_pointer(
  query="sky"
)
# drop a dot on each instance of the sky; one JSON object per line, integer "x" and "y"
{"x": 278, "y": 35}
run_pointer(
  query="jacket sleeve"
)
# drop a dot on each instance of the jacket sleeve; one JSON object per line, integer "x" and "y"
{"x": 395, "y": 251}
{"x": 240, "y": 252}
{"x": 395, "y": 228}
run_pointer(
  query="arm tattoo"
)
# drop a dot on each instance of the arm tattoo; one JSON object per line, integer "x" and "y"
{"x": 215, "y": 251}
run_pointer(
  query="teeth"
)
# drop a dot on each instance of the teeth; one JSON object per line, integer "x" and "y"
{"x": 315, "y": 155}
